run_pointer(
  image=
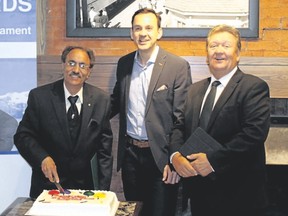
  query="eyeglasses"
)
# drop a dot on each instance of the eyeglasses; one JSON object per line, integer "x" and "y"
{"x": 73, "y": 64}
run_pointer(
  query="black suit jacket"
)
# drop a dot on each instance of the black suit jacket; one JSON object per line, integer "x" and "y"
{"x": 44, "y": 132}
{"x": 240, "y": 122}
{"x": 162, "y": 105}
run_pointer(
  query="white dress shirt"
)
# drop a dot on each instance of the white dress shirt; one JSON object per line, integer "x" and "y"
{"x": 78, "y": 102}
{"x": 224, "y": 81}
{"x": 140, "y": 80}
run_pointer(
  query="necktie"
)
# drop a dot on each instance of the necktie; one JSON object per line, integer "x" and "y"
{"x": 207, "y": 108}
{"x": 72, "y": 111}
{"x": 73, "y": 119}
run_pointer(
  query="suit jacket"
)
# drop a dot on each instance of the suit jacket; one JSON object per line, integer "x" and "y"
{"x": 44, "y": 132}
{"x": 162, "y": 106}
{"x": 240, "y": 122}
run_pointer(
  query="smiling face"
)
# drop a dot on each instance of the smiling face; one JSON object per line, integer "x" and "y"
{"x": 222, "y": 53}
{"x": 145, "y": 32}
{"x": 76, "y": 70}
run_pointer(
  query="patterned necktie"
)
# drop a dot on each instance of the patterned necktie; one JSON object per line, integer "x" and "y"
{"x": 72, "y": 111}
{"x": 208, "y": 106}
{"x": 73, "y": 119}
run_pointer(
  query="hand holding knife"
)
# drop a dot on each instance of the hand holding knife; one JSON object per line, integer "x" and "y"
{"x": 49, "y": 169}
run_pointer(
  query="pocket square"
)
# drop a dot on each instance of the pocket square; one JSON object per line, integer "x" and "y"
{"x": 161, "y": 88}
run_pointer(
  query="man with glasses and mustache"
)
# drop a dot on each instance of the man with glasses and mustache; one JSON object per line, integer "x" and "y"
{"x": 65, "y": 124}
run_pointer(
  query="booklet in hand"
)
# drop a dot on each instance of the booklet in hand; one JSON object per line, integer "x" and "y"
{"x": 199, "y": 142}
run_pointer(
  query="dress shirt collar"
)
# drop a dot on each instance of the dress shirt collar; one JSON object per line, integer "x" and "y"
{"x": 78, "y": 102}
{"x": 225, "y": 79}
{"x": 152, "y": 58}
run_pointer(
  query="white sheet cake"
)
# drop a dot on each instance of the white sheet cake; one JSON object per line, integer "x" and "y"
{"x": 75, "y": 202}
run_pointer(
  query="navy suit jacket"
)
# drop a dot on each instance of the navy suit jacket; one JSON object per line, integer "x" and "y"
{"x": 44, "y": 132}
{"x": 240, "y": 122}
{"x": 162, "y": 106}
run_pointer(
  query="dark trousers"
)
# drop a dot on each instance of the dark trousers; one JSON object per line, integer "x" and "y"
{"x": 142, "y": 181}
{"x": 203, "y": 209}
{"x": 200, "y": 207}
{"x": 208, "y": 197}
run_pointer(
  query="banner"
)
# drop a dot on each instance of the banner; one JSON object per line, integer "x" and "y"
{"x": 18, "y": 60}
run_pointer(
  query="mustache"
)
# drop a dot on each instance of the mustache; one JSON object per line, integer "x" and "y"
{"x": 73, "y": 73}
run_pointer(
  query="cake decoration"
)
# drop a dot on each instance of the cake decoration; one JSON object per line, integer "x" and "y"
{"x": 88, "y": 193}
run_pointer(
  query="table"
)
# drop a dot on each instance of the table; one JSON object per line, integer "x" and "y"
{"x": 22, "y": 204}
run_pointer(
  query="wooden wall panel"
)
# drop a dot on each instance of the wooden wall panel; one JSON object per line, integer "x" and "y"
{"x": 274, "y": 70}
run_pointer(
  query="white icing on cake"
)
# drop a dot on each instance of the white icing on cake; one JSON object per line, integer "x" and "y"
{"x": 102, "y": 203}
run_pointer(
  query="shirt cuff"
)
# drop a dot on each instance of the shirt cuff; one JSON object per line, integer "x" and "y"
{"x": 172, "y": 156}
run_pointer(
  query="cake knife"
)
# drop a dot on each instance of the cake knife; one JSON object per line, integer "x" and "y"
{"x": 59, "y": 187}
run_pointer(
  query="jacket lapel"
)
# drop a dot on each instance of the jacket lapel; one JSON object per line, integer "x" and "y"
{"x": 229, "y": 89}
{"x": 127, "y": 70}
{"x": 158, "y": 67}
{"x": 87, "y": 108}
{"x": 198, "y": 103}
{"x": 59, "y": 106}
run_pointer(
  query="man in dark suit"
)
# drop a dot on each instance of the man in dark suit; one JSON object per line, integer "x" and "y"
{"x": 231, "y": 180}
{"x": 148, "y": 94}
{"x": 59, "y": 147}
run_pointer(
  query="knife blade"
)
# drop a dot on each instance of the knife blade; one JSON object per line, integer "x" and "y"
{"x": 59, "y": 187}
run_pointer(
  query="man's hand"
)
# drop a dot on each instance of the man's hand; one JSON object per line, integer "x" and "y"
{"x": 49, "y": 169}
{"x": 200, "y": 163}
{"x": 169, "y": 176}
{"x": 183, "y": 166}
